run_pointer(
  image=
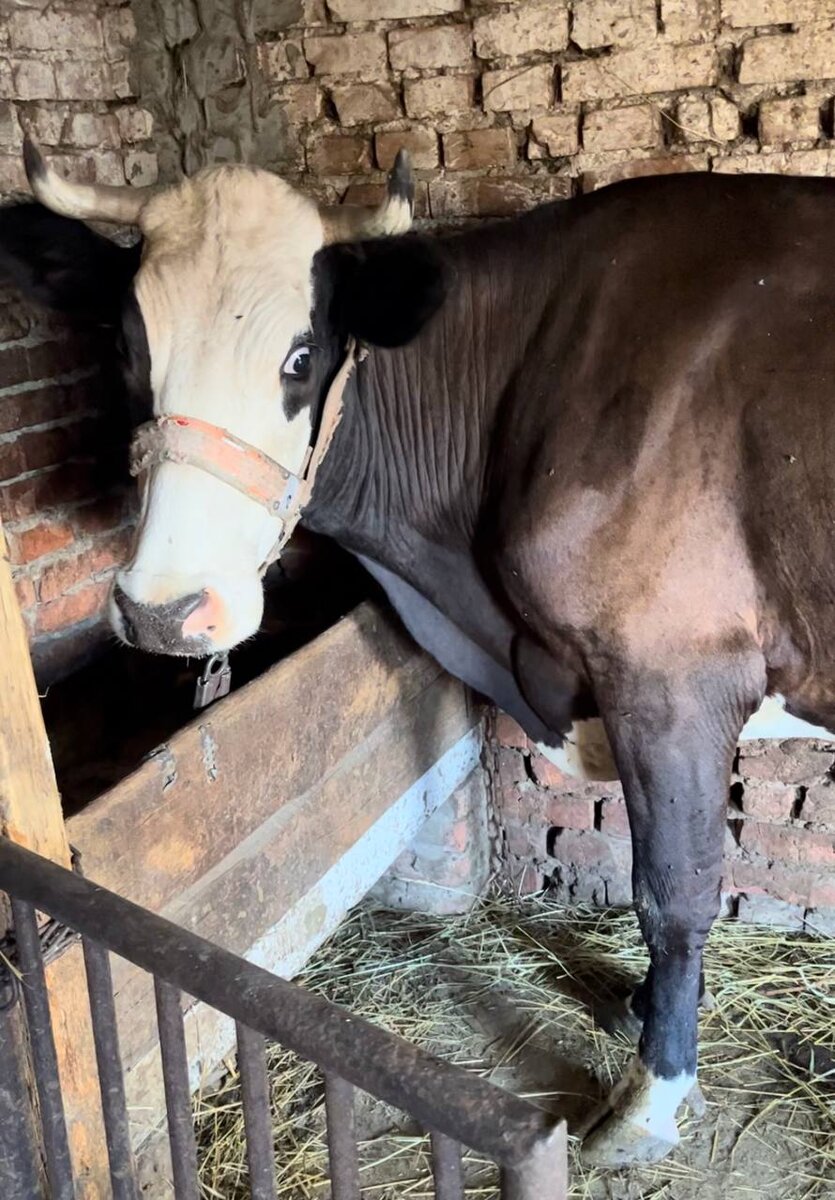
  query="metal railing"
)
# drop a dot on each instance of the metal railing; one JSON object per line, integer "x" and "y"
{"x": 458, "y": 1108}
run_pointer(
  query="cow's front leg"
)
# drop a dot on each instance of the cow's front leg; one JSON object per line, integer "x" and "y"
{"x": 673, "y": 741}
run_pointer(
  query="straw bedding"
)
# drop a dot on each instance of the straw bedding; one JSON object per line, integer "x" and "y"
{"x": 517, "y": 990}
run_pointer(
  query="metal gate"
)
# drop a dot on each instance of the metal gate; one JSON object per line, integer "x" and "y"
{"x": 457, "y": 1108}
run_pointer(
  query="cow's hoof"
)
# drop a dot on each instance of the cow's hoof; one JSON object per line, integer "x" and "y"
{"x": 637, "y": 1124}
{"x": 620, "y": 1143}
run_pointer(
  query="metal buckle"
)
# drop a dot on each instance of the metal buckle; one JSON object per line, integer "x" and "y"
{"x": 215, "y": 680}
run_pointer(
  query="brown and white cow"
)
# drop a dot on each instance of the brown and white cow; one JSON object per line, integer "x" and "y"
{"x": 588, "y": 452}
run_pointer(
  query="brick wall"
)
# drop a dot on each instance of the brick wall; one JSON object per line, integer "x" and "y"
{"x": 574, "y": 837}
{"x": 64, "y": 75}
{"x": 502, "y": 105}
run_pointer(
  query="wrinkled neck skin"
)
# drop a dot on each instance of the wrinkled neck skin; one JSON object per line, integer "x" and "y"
{"x": 407, "y": 478}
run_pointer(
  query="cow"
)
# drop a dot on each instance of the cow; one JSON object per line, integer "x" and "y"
{"x": 586, "y": 451}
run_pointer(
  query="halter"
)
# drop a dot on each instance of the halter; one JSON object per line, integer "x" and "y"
{"x": 180, "y": 439}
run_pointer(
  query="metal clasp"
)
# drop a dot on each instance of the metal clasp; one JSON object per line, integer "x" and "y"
{"x": 215, "y": 680}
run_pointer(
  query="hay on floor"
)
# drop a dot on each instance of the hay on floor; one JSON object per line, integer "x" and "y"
{"x": 506, "y": 990}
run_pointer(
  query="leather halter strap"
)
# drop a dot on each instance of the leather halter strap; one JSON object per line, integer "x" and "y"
{"x": 283, "y": 493}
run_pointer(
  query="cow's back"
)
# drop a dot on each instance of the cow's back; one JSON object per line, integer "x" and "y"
{"x": 672, "y": 473}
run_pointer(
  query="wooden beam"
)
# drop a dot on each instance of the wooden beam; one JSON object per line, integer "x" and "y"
{"x": 30, "y": 813}
{"x": 217, "y": 780}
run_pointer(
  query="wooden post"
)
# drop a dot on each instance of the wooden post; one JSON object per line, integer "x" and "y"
{"x": 30, "y": 813}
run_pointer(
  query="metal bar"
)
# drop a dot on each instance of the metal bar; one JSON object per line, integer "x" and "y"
{"x": 343, "y": 1159}
{"x": 469, "y": 1109}
{"x": 446, "y": 1167}
{"x": 543, "y": 1173}
{"x": 21, "y": 1168}
{"x": 44, "y": 1058}
{"x": 255, "y": 1091}
{"x": 172, "y": 1044}
{"x": 111, "y": 1081}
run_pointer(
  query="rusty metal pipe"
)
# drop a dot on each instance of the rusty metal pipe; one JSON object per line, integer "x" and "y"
{"x": 439, "y": 1095}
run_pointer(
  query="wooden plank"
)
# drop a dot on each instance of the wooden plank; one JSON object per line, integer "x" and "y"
{"x": 261, "y": 881}
{"x": 30, "y": 813}
{"x": 285, "y": 947}
{"x": 220, "y": 778}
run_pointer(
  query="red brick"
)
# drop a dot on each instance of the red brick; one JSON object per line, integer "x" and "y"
{"x": 529, "y": 881}
{"x": 508, "y": 732}
{"x": 511, "y": 769}
{"x": 806, "y": 54}
{"x": 637, "y": 168}
{"x": 32, "y": 79}
{"x": 34, "y": 407}
{"x": 360, "y": 102}
{"x": 362, "y": 54}
{"x": 42, "y": 539}
{"x": 71, "y": 610}
{"x": 518, "y": 88}
{"x": 557, "y": 133}
{"x": 371, "y": 195}
{"x": 15, "y": 319}
{"x": 339, "y": 154}
{"x": 41, "y": 448}
{"x": 302, "y": 102}
{"x": 438, "y": 95}
{"x": 61, "y": 577}
{"x": 65, "y": 484}
{"x": 599, "y": 23}
{"x": 568, "y": 811}
{"x": 819, "y": 805}
{"x": 546, "y": 774}
{"x": 488, "y": 197}
{"x": 397, "y": 10}
{"x": 479, "y": 149}
{"x": 810, "y": 888}
{"x": 528, "y": 28}
{"x": 614, "y": 820}
{"x": 525, "y": 839}
{"x": 584, "y": 849}
{"x": 791, "y": 119}
{"x": 741, "y": 13}
{"x": 767, "y": 801}
{"x": 85, "y": 80}
{"x": 435, "y": 46}
{"x": 22, "y": 364}
{"x": 29, "y": 30}
{"x": 789, "y": 845}
{"x": 25, "y": 591}
{"x": 794, "y": 761}
{"x": 421, "y": 142}
{"x": 638, "y": 126}
{"x": 641, "y": 71}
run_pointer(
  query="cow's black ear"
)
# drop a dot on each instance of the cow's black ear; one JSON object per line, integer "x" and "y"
{"x": 63, "y": 264}
{"x": 384, "y": 291}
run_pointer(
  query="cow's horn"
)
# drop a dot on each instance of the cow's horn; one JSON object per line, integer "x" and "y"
{"x": 347, "y": 223}
{"x": 93, "y": 202}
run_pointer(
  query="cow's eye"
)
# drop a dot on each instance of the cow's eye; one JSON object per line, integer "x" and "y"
{"x": 297, "y": 363}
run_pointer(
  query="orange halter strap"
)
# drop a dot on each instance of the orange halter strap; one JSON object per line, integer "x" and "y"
{"x": 283, "y": 493}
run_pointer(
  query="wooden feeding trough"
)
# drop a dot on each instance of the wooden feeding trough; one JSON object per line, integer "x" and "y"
{"x": 256, "y": 825}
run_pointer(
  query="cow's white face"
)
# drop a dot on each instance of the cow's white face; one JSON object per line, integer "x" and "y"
{"x": 218, "y": 323}
{"x": 225, "y": 296}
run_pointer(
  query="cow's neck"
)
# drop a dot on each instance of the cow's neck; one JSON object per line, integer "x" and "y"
{"x": 408, "y": 466}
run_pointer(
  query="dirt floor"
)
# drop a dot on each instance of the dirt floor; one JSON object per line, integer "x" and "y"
{"x": 518, "y": 990}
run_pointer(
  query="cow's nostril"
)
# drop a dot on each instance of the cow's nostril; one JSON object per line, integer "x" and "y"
{"x": 156, "y": 627}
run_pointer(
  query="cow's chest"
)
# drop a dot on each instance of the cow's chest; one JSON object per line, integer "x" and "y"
{"x": 586, "y": 754}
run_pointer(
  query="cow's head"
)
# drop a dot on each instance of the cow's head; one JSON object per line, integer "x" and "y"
{"x": 236, "y": 313}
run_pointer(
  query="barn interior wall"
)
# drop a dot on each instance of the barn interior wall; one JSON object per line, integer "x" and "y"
{"x": 502, "y": 105}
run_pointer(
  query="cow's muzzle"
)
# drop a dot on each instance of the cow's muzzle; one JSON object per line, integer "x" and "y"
{"x": 163, "y": 628}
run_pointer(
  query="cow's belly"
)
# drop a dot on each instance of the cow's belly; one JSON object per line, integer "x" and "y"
{"x": 586, "y": 754}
